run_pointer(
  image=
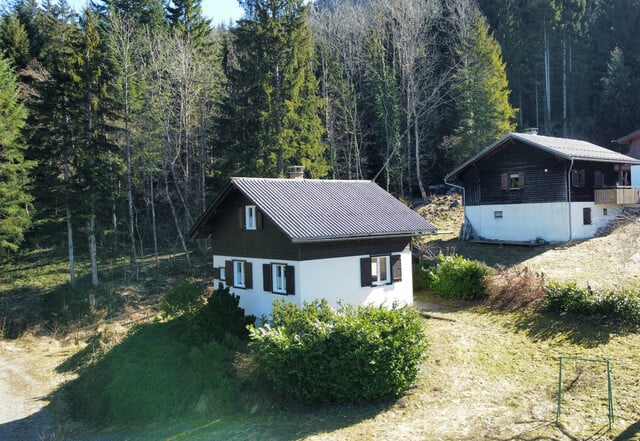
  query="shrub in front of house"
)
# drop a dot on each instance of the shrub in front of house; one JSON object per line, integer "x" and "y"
{"x": 185, "y": 298}
{"x": 317, "y": 355}
{"x": 572, "y": 299}
{"x": 455, "y": 277}
{"x": 222, "y": 319}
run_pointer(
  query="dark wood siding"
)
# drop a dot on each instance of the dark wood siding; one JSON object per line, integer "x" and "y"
{"x": 229, "y": 239}
{"x": 344, "y": 248}
{"x": 543, "y": 174}
{"x": 606, "y": 172}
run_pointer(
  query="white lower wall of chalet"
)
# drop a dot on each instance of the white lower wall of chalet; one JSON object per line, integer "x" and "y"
{"x": 547, "y": 221}
{"x": 335, "y": 279}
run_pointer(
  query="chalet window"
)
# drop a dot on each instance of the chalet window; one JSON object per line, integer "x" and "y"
{"x": 278, "y": 278}
{"x": 250, "y": 217}
{"x": 498, "y": 214}
{"x": 598, "y": 179}
{"x": 586, "y": 216}
{"x": 380, "y": 270}
{"x": 512, "y": 181}
{"x": 238, "y": 274}
{"x": 222, "y": 273}
{"x": 578, "y": 178}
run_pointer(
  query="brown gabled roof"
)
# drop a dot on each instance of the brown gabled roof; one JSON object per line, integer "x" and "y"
{"x": 626, "y": 139}
{"x": 570, "y": 149}
{"x": 308, "y": 210}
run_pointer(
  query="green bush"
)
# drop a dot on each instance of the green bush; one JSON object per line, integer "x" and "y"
{"x": 421, "y": 277}
{"x": 317, "y": 355}
{"x": 458, "y": 278}
{"x": 220, "y": 319}
{"x": 186, "y": 298}
{"x": 569, "y": 298}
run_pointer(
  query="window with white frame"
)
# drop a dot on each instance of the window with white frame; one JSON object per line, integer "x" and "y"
{"x": 380, "y": 270}
{"x": 222, "y": 273}
{"x": 238, "y": 274}
{"x": 279, "y": 278}
{"x": 250, "y": 217}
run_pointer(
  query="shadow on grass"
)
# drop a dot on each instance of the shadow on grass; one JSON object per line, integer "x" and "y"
{"x": 153, "y": 385}
{"x": 631, "y": 433}
{"x": 493, "y": 254}
{"x": 588, "y": 333}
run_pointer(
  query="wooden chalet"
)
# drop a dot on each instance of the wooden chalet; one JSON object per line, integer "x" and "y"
{"x": 527, "y": 188}
{"x": 305, "y": 239}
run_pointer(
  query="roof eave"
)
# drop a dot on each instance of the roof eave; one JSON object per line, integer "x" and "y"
{"x": 303, "y": 240}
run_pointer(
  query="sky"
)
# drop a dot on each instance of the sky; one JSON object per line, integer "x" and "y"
{"x": 219, "y": 11}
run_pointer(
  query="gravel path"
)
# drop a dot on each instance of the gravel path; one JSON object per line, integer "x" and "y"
{"x": 25, "y": 375}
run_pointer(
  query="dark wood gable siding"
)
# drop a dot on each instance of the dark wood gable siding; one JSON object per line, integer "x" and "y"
{"x": 230, "y": 239}
{"x": 544, "y": 177}
{"x": 268, "y": 242}
{"x": 607, "y": 173}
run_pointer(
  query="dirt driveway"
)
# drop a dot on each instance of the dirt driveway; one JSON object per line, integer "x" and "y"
{"x": 27, "y": 376}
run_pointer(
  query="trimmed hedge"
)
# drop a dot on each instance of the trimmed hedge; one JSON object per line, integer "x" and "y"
{"x": 317, "y": 355}
{"x": 571, "y": 299}
{"x": 458, "y": 278}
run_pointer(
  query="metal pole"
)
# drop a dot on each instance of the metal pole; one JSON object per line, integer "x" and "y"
{"x": 559, "y": 390}
{"x": 611, "y": 417}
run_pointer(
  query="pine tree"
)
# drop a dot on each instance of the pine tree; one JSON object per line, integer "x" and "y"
{"x": 270, "y": 118}
{"x": 185, "y": 17}
{"x": 482, "y": 93}
{"x": 15, "y": 200}
{"x": 14, "y": 40}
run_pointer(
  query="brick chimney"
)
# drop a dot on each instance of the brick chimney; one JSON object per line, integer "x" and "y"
{"x": 296, "y": 171}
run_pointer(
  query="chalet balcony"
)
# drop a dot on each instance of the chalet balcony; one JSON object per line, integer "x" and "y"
{"x": 617, "y": 196}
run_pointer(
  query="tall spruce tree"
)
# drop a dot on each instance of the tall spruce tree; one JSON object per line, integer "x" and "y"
{"x": 15, "y": 200}
{"x": 271, "y": 114}
{"x": 482, "y": 93}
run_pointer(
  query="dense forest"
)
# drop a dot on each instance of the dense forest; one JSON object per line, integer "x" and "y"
{"x": 120, "y": 122}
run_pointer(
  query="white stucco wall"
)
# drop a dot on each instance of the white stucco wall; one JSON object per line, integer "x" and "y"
{"x": 336, "y": 279}
{"x": 548, "y": 221}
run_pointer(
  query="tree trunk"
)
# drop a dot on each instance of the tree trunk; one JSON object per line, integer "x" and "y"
{"x": 91, "y": 230}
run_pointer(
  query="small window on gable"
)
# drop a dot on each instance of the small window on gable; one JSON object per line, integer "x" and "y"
{"x": 512, "y": 181}
{"x": 578, "y": 178}
{"x": 250, "y": 217}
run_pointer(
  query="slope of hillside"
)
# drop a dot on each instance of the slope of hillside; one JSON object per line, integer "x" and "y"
{"x": 609, "y": 261}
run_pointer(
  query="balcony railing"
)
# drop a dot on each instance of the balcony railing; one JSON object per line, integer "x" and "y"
{"x": 618, "y": 196}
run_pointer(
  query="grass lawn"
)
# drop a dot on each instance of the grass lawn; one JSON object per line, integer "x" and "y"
{"x": 488, "y": 376}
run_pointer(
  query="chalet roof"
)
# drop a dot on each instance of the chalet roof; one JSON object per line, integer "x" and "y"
{"x": 321, "y": 210}
{"x": 626, "y": 139}
{"x": 570, "y": 149}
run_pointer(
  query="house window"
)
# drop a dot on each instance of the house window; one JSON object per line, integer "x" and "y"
{"x": 586, "y": 216}
{"x": 380, "y": 270}
{"x": 250, "y": 217}
{"x": 279, "y": 278}
{"x": 222, "y": 274}
{"x": 578, "y": 178}
{"x": 497, "y": 214}
{"x": 598, "y": 179}
{"x": 238, "y": 274}
{"x": 512, "y": 181}
{"x": 605, "y": 212}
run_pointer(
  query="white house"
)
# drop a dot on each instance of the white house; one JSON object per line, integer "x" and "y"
{"x": 527, "y": 187}
{"x": 305, "y": 239}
